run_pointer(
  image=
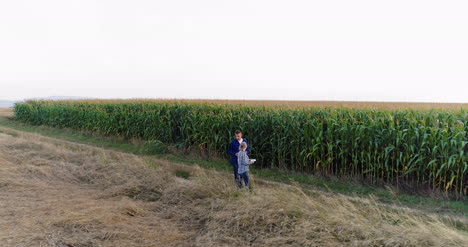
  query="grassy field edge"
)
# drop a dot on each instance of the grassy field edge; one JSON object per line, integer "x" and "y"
{"x": 345, "y": 187}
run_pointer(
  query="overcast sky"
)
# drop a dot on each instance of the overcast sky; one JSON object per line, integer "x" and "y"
{"x": 400, "y": 50}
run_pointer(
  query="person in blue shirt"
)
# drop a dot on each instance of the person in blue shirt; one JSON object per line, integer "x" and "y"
{"x": 234, "y": 150}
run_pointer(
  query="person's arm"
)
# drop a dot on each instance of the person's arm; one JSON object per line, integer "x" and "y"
{"x": 247, "y": 161}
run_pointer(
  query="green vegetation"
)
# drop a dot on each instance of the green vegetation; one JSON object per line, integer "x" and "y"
{"x": 341, "y": 186}
{"x": 155, "y": 147}
{"x": 423, "y": 149}
{"x": 182, "y": 174}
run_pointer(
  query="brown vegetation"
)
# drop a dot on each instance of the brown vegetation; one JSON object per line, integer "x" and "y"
{"x": 318, "y": 104}
{"x": 58, "y": 193}
{"x": 6, "y": 112}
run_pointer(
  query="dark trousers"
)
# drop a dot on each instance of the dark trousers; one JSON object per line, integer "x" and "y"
{"x": 236, "y": 175}
{"x": 244, "y": 177}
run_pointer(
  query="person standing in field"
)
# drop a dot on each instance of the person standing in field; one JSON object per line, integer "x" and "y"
{"x": 243, "y": 163}
{"x": 234, "y": 151}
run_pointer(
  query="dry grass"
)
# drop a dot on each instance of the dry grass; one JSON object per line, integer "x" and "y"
{"x": 319, "y": 104}
{"x": 345, "y": 104}
{"x": 6, "y": 112}
{"x": 58, "y": 193}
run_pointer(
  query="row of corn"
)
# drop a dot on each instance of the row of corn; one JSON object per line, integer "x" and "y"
{"x": 424, "y": 149}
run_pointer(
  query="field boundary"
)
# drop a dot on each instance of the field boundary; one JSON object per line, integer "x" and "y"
{"x": 413, "y": 149}
{"x": 308, "y": 189}
{"x": 75, "y": 138}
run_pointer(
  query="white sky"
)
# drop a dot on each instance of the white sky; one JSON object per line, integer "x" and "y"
{"x": 400, "y": 50}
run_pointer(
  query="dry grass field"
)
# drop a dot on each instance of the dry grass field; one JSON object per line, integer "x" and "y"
{"x": 60, "y": 193}
{"x": 319, "y": 104}
{"x": 6, "y": 112}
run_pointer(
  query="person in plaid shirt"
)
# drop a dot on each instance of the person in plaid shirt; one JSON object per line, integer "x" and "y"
{"x": 243, "y": 163}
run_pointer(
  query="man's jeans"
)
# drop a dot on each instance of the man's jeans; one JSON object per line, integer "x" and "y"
{"x": 236, "y": 175}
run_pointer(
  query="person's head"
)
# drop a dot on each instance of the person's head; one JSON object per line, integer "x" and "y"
{"x": 243, "y": 146}
{"x": 238, "y": 135}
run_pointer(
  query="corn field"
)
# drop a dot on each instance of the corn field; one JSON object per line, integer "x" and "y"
{"x": 425, "y": 148}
